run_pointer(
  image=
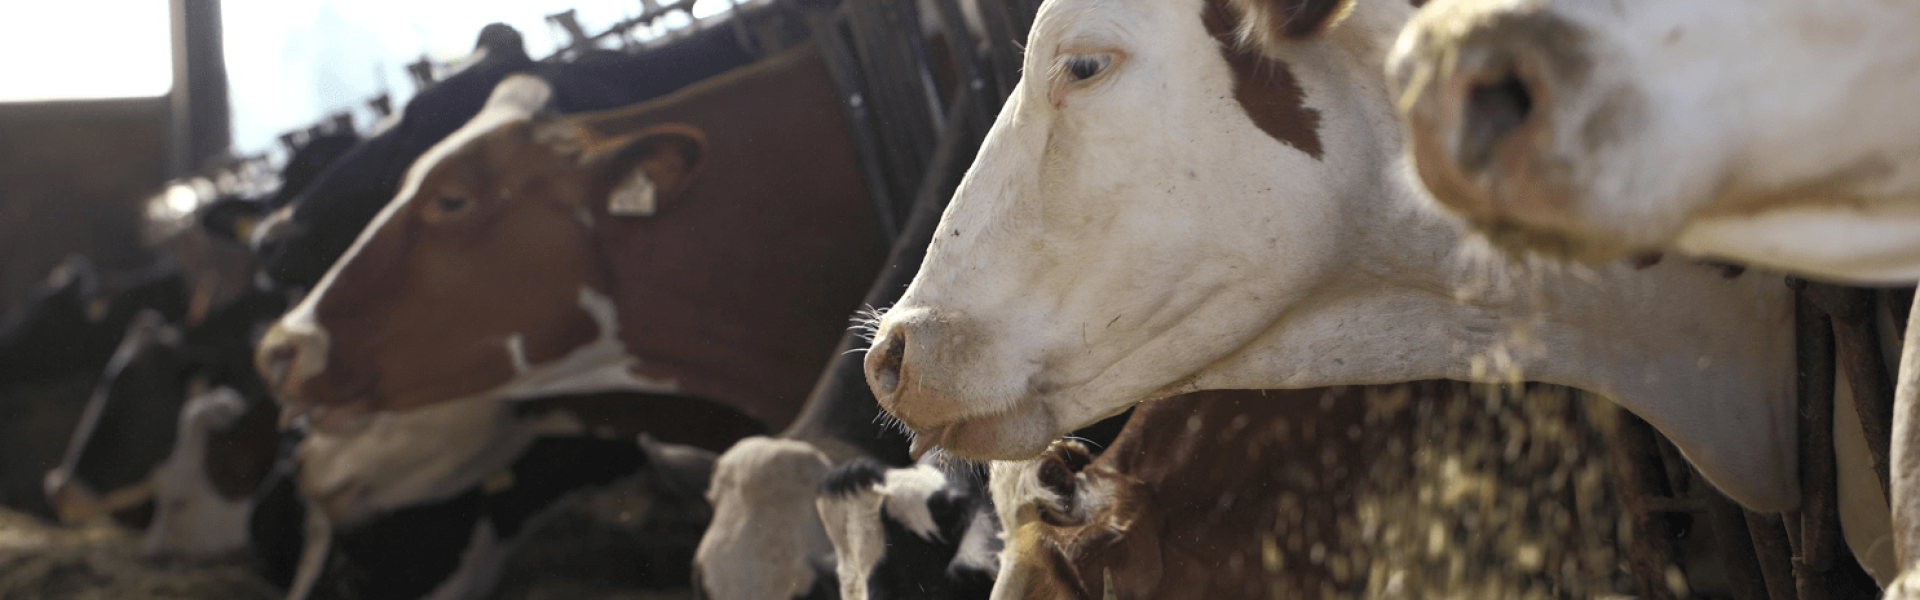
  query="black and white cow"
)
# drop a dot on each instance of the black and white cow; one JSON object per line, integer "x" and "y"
{"x": 178, "y": 433}
{"x": 457, "y": 547}
{"x": 926, "y": 531}
{"x": 929, "y": 530}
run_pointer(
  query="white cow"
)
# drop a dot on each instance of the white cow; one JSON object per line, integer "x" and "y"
{"x": 1771, "y": 132}
{"x": 1157, "y": 212}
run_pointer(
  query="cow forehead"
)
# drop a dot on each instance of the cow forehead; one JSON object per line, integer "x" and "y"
{"x": 514, "y": 104}
{"x": 1265, "y": 89}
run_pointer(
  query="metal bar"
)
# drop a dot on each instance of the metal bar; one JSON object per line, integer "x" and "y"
{"x": 1819, "y": 522}
{"x": 1729, "y": 526}
{"x": 1630, "y": 441}
{"x": 1771, "y": 550}
{"x": 1856, "y": 335}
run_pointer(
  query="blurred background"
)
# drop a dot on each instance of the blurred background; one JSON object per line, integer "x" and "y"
{"x": 105, "y": 101}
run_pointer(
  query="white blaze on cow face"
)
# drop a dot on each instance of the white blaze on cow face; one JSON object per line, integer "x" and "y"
{"x": 1774, "y": 132}
{"x": 1138, "y": 233}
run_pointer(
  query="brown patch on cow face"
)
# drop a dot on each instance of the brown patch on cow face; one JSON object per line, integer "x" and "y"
{"x": 1265, "y": 88}
{"x": 488, "y": 249}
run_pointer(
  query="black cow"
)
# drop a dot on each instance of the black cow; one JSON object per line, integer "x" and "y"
{"x": 323, "y": 220}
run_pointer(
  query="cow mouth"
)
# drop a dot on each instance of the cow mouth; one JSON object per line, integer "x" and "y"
{"x": 1518, "y": 240}
{"x": 1018, "y": 433}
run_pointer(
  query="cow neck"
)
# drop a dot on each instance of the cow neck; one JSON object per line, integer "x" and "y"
{"x": 739, "y": 287}
{"x": 1704, "y": 358}
{"x": 841, "y": 416}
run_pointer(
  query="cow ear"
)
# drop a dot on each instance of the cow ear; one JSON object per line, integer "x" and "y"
{"x": 1273, "y": 22}
{"x": 686, "y": 470}
{"x": 642, "y": 171}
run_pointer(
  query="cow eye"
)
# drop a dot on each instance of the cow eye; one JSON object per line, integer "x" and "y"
{"x": 451, "y": 204}
{"x": 1084, "y": 66}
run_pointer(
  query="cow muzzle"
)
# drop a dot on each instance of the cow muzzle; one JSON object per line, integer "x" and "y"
{"x": 941, "y": 377}
{"x": 1478, "y": 93}
{"x": 904, "y": 344}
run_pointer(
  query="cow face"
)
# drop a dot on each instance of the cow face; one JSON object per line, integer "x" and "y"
{"x": 1151, "y": 198}
{"x": 766, "y": 541}
{"x": 1776, "y": 133}
{"x": 484, "y": 266}
{"x": 1077, "y": 530}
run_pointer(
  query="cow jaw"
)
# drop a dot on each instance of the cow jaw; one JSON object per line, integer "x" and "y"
{"x": 1775, "y": 133}
{"x": 397, "y": 459}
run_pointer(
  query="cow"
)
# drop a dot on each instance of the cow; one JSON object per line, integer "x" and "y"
{"x": 925, "y": 531}
{"x": 1169, "y": 212}
{"x": 299, "y": 241}
{"x": 457, "y": 547}
{"x": 707, "y": 244}
{"x": 1596, "y": 132}
{"x": 179, "y": 428}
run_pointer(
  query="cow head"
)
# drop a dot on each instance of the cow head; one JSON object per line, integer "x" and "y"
{"x": 484, "y": 266}
{"x": 1770, "y": 132}
{"x": 483, "y": 278}
{"x": 766, "y": 540}
{"x": 1075, "y": 529}
{"x": 1153, "y": 195}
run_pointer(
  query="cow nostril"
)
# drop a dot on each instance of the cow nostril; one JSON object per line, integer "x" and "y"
{"x": 1494, "y": 110}
{"x": 883, "y": 363}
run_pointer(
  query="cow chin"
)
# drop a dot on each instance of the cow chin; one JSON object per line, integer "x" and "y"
{"x": 1020, "y": 433}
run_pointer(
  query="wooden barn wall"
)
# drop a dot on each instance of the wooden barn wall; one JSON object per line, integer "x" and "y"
{"x": 73, "y": 176}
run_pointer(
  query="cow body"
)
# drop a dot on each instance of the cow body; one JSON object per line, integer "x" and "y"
{"x": 533, "y": 282}
{"x": 1773, "y": 133}
{"x": 1245, "y": 240}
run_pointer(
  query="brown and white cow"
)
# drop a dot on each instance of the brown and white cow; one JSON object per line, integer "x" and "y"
{"x": 1774, "y": 133}
{"x": 1158, "y": 211}
{"x": 710, "y": 243}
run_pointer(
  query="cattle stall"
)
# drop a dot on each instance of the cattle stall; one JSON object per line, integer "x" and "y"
{"x": 1417, "y": 490}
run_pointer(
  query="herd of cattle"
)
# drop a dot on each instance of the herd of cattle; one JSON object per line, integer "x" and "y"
{"x": 545, "y": 278}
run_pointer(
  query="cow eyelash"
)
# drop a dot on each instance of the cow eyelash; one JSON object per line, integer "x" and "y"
{"x": 1082, "y": 67}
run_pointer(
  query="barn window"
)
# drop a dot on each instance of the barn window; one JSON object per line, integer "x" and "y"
{"x": 86, "y": 50}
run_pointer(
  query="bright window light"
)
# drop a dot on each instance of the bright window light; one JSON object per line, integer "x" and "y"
{"x": 86, "y": 49}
